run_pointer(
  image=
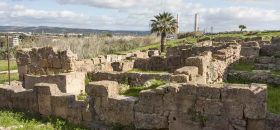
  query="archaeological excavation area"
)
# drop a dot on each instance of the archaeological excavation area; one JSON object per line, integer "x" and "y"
{"x": 188, "y": 88}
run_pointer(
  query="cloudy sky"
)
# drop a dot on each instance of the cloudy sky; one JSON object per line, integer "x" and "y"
{"x": 223, "y": 15}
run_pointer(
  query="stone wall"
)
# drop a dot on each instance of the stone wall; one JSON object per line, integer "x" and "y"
{"x": 173, "y": 106}
{"x": 267, "y": 63}
{"x": 250, "y": 49}
{"x": 272, "y": 49}
{"x": 258, "y": 76}
{"x": 212, "y": 61}
{"x": 73, "y": 83}
{"x": 42, "y": 61}
{"x": 133, "y": 79}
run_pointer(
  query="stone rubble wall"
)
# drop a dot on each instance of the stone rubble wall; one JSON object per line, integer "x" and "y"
{"x": 267, "y": 63}
{"x": 42, "y": 61}
{"x": 255, "y": 76}
{"x": 48, "y": 60}
{"x": 250, "y": 49}
{"x": 173, "y": 106}
{"x": 272, "y": 49}
{"x": 132, "y": 79}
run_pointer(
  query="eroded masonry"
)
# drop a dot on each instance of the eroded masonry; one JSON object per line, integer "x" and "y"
{"x": 193, "y": 98}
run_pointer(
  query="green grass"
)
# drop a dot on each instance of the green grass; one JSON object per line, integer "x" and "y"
{"x": 146, "y": 71}
{"x": 82, "y": 96}
{"x": 134, "y": 91}
{"x": 243, "y": 67}
{"x": 4, "y": 77}
{"x": 274, "y": 99}
{"x": 4, "y": 65}
{"x": 28, "y": 121}
{"x": 276, "y": 72}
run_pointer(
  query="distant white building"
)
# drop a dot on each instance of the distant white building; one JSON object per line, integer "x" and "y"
{"x": 14, "y": 41}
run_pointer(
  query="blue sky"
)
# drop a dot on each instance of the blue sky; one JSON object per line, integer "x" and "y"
{"x": 223, "y": 15}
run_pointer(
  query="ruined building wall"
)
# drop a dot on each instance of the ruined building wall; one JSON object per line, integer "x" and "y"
{"x": 43, "y": 61}
{"x": 212, "y": 61}
{"x": 174, "y": 106}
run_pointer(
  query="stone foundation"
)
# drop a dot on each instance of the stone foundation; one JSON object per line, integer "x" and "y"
{"x": 173, "y": 106}
{"x": 73, "y": 83}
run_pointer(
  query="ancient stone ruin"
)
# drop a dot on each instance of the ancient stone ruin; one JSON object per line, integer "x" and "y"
{"x": 193, "y": 98}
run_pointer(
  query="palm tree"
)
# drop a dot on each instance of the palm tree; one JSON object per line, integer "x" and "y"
{"x": 242, "y": 27}
{"x": 163, "y": 24}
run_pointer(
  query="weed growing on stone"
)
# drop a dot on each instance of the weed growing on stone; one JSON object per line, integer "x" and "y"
{"x": 134, "y": 91}
{"x": 146, "y": 71}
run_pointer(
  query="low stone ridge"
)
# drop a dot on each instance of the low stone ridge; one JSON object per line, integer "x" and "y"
{"x": 174, "y": 107}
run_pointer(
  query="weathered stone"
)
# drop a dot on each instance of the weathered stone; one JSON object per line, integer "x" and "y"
{"x": 44, "y": 92}
{"x": 180, "y": 78}
{"x": 256, "y": 124}
{"x": 102, "y": 89}
{"x": 73, "y": 83}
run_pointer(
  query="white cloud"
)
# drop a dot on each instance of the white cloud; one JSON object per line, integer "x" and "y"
{"x": 136, "y": 14}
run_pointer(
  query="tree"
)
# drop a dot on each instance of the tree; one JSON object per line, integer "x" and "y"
{"x": 242, "y": 27}
{"x": 163, "y": 24}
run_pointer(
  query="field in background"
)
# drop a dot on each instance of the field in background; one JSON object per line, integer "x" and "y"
{"x": 89, "y": 47}
{"x": 4, "y": 65}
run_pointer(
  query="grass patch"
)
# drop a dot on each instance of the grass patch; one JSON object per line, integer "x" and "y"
{"x": 276, "y": 72}
{"x": 4, "y": 65}
{"x": 134, "y": 91}
{"x": 28, "y": 121}
{"x": 243, "y": 67}
{"x": 146, "y": 71}
{"x": 82, "y": 96}
{"x": 274, "y": 99}
{"x": 5, "y": 78}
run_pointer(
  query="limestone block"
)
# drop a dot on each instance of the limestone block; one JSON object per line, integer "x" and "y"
{"x": 188, "y": 70}
{"x": 60, "y": 104}
{"x": 180, "y": 78}
{"x": 215, "y": 123}
{"x": 210, "y": 92}
{"x": 44, "y": 92}
{"x": 234, "y": 110}
{"x": 96, "y": 61}
{"x": 122, "y": 109}
{"x": 150, "y": 121}
{"x": 25, "y": 100}
{"x": 250, "y": 51}
{"x": 87, "y": 115}
{"x": 244, "y": 93}
{"x": 182, "y": 121}
{"x": 102, "y": 89}
{"x": 72, "y": 83}
{"x": 256, "y": 125}
{"x": 237, "y": 124}
{"x": 150, "y": 101}
{"x": 22, "y": 70}
{"x": 209, "y": 107}
{"x": 157, "y": 63}
{"x": 250, "y": 44}
{"x": 200, "y": 61}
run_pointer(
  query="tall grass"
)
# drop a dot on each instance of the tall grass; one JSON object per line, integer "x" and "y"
{"x": 89, "y": 47}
